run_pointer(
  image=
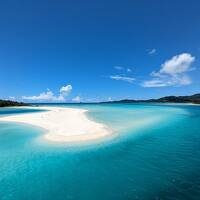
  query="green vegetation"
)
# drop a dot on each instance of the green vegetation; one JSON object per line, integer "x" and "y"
{"x": 6, "y": 103}
{"x": 168, "y": 99}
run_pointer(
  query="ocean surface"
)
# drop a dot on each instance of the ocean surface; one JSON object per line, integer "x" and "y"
{"x": 154, "y": 155}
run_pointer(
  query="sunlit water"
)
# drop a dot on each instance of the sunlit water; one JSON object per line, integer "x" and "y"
{"x": 155, "y": 154}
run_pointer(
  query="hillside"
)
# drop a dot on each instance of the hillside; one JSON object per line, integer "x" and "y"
{"x": 168, "y": 99}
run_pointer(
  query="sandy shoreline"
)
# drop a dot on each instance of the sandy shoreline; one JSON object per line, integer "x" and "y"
{"x": 63, "y": 124}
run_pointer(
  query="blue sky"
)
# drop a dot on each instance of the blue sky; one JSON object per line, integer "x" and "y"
{"x": 96, "y": 50}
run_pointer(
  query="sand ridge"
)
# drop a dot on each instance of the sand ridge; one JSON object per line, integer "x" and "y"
{"x": 63, "y": 124}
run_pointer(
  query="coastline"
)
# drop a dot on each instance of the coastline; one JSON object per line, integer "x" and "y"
{"x": 63, "y": 124}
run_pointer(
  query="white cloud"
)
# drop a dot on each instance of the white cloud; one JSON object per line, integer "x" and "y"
{"x": 173, "y": 72}
{"x": 76, "y": 99}
{"x": 151, "y": 51}
{"x": 163, "y": 82}
{"x": 178, "y": 64}
{"x": 12, "y": 98}
{"x": 157, "y": 74}
{"x": 118, "y": 67}
{"x": 122, "y": 78}
{"x": 49, "y": 95}
{"x": 121, "y": 68}
{"x": 109, "y": 98}
{"x": 65, "y": 90}
{"x": 183, "y": 80}
{"x": 154, "y": 83}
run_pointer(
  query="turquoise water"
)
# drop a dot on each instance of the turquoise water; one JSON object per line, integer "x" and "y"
{"x": 155, "y": 154}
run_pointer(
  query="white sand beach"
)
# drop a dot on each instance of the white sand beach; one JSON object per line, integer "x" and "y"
{"x": 63, "y": 124}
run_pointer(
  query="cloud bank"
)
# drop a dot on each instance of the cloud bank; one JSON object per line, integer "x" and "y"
{"x": 50, "y": 96}
{"x": 76, "y": 99}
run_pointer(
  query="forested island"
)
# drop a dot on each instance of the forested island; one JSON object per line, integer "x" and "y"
{"x": 8, "y": 103}
{"x": 168, "y": 99}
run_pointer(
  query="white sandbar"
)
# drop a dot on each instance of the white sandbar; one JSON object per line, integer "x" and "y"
{"x": 63, "y": 124}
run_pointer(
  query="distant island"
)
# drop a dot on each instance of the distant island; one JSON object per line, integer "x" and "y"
{"x": 8, "y": 103}
{"x": 168, "y": 99}
{"x": 195, "y": 99}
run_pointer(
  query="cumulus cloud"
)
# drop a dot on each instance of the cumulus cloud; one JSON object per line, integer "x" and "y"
{"x": 122, "y": 78}
{"x": 49, "y": 95}
{"x": 42, "y": 96}
{"x": 65, "y": 90}
{"x": 178, "y": 64}
{"x": 173, "y": 72}
{"x": 76, "y": 99}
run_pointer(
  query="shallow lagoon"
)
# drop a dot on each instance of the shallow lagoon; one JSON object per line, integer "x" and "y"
{"x": 155, "y": 155}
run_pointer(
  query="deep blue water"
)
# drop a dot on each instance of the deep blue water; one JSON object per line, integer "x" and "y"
{"x": 155, "y": 155}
